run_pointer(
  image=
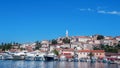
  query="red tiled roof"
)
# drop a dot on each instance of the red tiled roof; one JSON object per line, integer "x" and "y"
{"x": 83, "y": 50}
{"x": 67, "y": 53}
{"x": 91, "y": 51}
{"x": 97, "y": 51}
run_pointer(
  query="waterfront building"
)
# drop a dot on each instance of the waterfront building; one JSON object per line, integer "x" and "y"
{"x": 96, "y": 53}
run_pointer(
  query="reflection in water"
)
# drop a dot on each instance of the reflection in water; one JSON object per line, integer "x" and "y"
{"x": 55, "y": 64}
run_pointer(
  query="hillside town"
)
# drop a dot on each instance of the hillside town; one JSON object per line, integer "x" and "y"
{"x": 68, "y": 48}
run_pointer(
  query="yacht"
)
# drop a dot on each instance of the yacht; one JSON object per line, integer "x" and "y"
{"x": 39, "y": 57}
{"x": 30, "y": 56}
{"x": 49, "y": 57}
{"x": 19, "y": 56}
{"x": 7, "y": 56}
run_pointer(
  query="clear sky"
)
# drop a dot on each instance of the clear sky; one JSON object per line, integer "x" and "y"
{"x": 31, "y": 20}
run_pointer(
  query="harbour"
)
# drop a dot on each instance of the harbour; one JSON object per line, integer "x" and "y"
{"x": 53, "y": 64}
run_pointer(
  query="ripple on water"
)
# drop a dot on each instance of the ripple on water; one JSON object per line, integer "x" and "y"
{"x": 54, "y": 64}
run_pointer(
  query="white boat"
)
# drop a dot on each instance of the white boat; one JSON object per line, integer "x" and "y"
{"x": 111, "y": 62}
{"x": 117, "y": 61}
{"x": 70, "y": 60}
{"x": 39, "y": 57}
{"x": 30, "y": 56}
{"x": 50, "y": 57}
{"x": 19, "y": 56}
{"x": 1, "y": 57}
{"x": 88, "y": 60}
{"x": 7, "y": 56}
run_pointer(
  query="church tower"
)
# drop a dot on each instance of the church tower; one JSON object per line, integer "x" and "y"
{"x": 66, "y": 33}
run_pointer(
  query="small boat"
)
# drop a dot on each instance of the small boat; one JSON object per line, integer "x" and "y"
{"x": 118, "y": 62}
{"x": 99, "y": 60}
{"x": 70, "y": 60}
{"x": 104, "y": 60}
{"x": 76, "y": 60}
{"x": 82, "y": 60}
{"x": 88, "y": 60}
{"x": 93, "y": 60}
{"x": 1, "y": 57}
{"x": 111, "y": 62}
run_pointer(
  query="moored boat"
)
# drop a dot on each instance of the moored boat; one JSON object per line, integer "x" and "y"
{"x": 30, "y": 56}
{"x": 39, "y": 57}
{"x": 7, "y": 56}
{"x": 1, "y": 57}
{"x": 19, "y": 56}
{"x": 49, "y": 57}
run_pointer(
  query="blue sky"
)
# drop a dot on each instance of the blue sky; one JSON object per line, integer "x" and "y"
{"x": 31, "y": 20}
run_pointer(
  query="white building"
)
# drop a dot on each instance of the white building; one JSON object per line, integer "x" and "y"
{"x": 83, "y": 39}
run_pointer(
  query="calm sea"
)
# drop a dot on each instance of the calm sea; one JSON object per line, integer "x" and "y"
{"x": 54, "y": 64}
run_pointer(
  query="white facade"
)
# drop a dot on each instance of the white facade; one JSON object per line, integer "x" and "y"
{"x": 84, "y": 39}
{"x": 118, "y": 39}
{"x": 83, "y": 55}
{"x": 97, "y": 42}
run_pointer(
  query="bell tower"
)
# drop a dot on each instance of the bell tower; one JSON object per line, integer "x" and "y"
{"x": 66, "y": 33}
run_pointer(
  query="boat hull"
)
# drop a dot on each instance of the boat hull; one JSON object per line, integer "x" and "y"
{"x": 49, "y": 58}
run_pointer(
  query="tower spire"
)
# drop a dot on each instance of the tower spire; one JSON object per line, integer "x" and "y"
{"x": 66, "y": 33}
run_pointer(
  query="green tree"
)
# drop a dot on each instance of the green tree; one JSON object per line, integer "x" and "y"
{"x": 54, "y": 41}
{"x": 66, "y": 40}
{"x": 100, "y": 37}
{"x": 55, "y": 52}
